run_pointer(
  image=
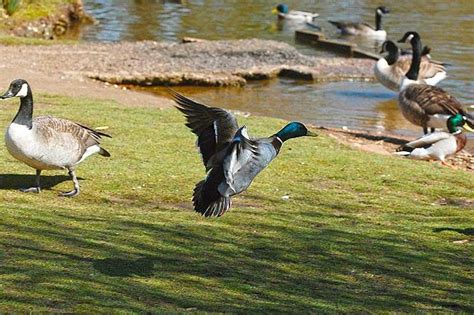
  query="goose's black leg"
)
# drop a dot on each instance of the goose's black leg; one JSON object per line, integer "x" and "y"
{"x": 433, "y": 130}
{"x": 75, "y": 191}
{"x": 36, "y": 188}
{"x": 425, "y": 130}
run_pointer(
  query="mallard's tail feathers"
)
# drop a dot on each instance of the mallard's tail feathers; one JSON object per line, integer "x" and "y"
{"x": 209, "y": 203}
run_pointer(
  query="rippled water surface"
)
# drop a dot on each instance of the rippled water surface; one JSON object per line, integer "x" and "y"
{"x": 446, "y": 26}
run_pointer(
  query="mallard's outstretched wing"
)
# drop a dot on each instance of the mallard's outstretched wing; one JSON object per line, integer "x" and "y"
{"x": 214, "y": 127}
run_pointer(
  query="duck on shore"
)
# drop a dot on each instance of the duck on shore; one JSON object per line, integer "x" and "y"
{"x": 438, "y": 145}
{"x": 390, "y": 69}
{"x": 362, "y": 28}
{"x": 425, "y": 105}
{"x": 46, "y": 142}
{"x": 232, "y": 159}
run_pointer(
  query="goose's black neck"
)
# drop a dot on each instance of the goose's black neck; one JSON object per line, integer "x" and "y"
{"x": 25, "y": 113}
{"x": 412, "y": 73}
{"x": 393, "y": 55}
{"x": 378, "y": 21}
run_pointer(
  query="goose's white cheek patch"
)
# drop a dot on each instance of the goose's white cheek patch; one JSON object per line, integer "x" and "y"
{"x": 23, "y": 91}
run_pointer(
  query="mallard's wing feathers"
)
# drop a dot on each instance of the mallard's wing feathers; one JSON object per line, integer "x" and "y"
{"x": 304, "y": 13}
{"x": 428, "y": 140}
{"x": 214, "y": 127}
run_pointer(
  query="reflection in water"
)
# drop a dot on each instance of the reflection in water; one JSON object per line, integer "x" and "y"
{"x": 352, "y": 104}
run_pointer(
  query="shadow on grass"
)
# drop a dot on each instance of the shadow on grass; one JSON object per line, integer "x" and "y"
{"x": 17, "y": 181}
{"x": 466, "y": 231}
{"x": 222, "y": 266}
{"x": 118, "y": 267}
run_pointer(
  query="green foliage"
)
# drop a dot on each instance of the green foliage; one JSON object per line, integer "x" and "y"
{"x": 11, "y": 6}
{"x": 359, "y": 233}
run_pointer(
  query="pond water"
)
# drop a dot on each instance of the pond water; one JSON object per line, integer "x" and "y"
{"x": 446, "y": 26}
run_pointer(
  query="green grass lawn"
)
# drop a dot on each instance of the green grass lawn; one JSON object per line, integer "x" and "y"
{"x": 359, "y": 233}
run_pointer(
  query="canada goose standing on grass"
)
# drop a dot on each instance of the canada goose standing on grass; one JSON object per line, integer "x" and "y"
{"x": 285, "y": 14}
{"x": 362, "y": 28}
{"x": 438, "y": 145}
{"x": 425, "y": 105}
{"x": 390, "y": 69}
{"x": 231, "y": 158}
{"x": 47, "y": 143}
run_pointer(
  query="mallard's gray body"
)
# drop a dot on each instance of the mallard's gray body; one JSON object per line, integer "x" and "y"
{"x": 231, "y": 158}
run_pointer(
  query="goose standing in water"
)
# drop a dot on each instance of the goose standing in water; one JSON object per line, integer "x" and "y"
{"x": 425, "y": 105}
{"x": 231, "y": 158}
{"x": 390, "y": 69}
{"x": 362, "y": 28}
{"x": 48, "y": 143}
{"x": 438, "y": 145}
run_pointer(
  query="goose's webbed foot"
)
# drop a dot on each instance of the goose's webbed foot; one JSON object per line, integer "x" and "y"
{"x": 35, "y": 189}
{"x": 76, "y": 190}
{"x": 71, "y": 193}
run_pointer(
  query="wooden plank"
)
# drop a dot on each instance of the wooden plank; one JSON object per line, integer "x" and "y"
{"x": 309, "y": 36}
{"x": 318, "y": 40}
{"x": 359, "y": 53}
{"x": 338, "y": 46}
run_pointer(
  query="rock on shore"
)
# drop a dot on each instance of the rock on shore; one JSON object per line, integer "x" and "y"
{"x": 208, "y": 63}
{"x": 220, "y": 63}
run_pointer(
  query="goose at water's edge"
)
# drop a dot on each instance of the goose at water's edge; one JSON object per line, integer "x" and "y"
{"x": 231, "y": 158}
{"x": 47, "y": 143}
{"x": 390, "y": 69}
{"x": 425, "y": 105}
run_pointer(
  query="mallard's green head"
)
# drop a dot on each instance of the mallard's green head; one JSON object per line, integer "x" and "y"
{"x": 294, "y": 130}
{"x": 281, "y": 8}
{"x": 456, "y": 122}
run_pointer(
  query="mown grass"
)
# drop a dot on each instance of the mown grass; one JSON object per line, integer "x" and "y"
{"x": 359, "y": 232}
{"x": 10, "y": 40}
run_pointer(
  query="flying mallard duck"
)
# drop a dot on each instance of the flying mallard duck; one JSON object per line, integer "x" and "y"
{"x": 231, "y": 158}
{"x": 390, "y": 69}
{"x": 364, "y": 29}
{"x": 48, "y": 143}
{"x": 283, "y": 13}
{"x": 438, "y": 145}
{"x": 425, "y": 105}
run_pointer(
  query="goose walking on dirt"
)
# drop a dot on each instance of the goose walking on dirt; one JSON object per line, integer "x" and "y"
{"x": 425, "y": 105}
{"x": 48, "y": 143}
{"x": 231, "y": 158}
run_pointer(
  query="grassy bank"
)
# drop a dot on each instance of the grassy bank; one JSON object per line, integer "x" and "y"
{"x": 359, "y": 232}
{"x": 32, "y": 10}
